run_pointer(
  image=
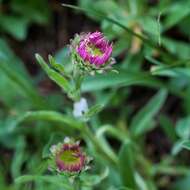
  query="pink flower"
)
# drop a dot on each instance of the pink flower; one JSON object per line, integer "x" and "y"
{"x": 94, "y": 48}
{"x": 68, "y": 157}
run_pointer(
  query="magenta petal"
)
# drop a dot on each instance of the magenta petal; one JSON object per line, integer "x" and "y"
{"x": 98, "y": 41}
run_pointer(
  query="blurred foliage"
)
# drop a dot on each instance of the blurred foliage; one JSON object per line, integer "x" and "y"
{"x": 151, "y": 93}
{"x": 17, "y": 15}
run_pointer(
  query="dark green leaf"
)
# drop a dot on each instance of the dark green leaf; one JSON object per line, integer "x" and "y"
{"x": 140, "y": 122}
{"x": 126, "y": 165}
{"x": 55, "y": 76}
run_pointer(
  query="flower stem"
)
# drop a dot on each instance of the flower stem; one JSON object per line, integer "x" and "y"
{"x": 77, "y": 184}
{"x": 98, "y": 147}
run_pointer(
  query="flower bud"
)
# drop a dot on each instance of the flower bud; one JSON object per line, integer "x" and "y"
{"x": 80, "y": 108}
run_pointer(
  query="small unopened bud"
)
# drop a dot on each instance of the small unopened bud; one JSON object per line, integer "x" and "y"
{"x": 80, "y": 107}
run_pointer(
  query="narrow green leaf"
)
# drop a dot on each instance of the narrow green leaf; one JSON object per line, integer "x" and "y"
{"x": 174, "y": 46}
{"x": 124, "y": 78}
{"x": 170, "y": 71}
{"x": 93, "y": 110}
{"x": 92, "y": 180}
{"x": 186, "y": 145}
{"x": 142, "y": 183}
{"x": 176, "y": 13}
{"x": 54, "y": 64}
{"x": 18, "y": 158}
{"x": 15, "y": 26}
{"x": 126, "y": 165}
{"x": 179, "y": 145}
{"x": 140, "y": 122}
{"x": 59, "y": 181}
{"x": 52, "y": 116}
{"x": 55, "y": 76}
{"x": 168, "y": 127}
{"x": 183, "y": 128}
{"x": 23, "y": 85}
{"x": 111, "y": 131}
{"x": 45, "y": 115}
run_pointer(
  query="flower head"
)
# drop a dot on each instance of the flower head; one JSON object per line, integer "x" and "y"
{"x": 92, "y": 51}
{"x": 68, "y": 156}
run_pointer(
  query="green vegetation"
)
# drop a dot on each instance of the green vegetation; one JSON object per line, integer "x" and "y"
{"x": 137, "y": 128}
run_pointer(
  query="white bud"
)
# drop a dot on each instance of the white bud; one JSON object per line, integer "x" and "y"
{"x": 80, "y": 107}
